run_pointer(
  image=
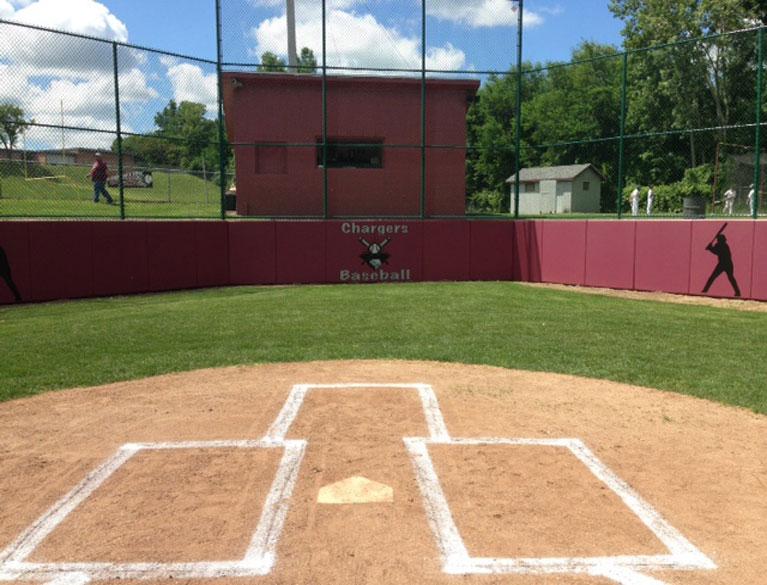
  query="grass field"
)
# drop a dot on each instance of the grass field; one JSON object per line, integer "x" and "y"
{"x": 702, "y": 351}
{"x": 65, "y": 191}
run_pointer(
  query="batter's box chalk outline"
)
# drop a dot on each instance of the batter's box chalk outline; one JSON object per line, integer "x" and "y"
{"x": 259, "y": 558}
{"x": 625, "y": 570}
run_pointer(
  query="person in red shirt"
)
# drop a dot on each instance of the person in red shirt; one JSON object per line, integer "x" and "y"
{"x": 99, "y": 173}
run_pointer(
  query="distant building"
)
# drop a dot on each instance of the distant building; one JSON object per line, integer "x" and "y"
{"x": 79, "y": 157}
{"x": 274, "y": 122}
{"x": 562, "y": 189}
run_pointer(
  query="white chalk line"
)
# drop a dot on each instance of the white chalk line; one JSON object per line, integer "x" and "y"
{"x": 622, "y": 569}
{"x": 431, "y": 410}
{"x": 258, "y": 561}
{"x": 260, "y": 557}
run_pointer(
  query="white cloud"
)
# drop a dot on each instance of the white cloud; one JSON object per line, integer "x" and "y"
{"x": 354, "y": 41}
{"x": 43, "y": 71}
{"x": 190, "y": 83}
{"x": 6, "y": 10}
{"x": 481, "y": 13}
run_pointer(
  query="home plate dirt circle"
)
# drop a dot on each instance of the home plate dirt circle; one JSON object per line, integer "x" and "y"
{"x": 380, "y": 472}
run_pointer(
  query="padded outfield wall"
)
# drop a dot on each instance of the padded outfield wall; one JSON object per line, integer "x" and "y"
{"x": 64, "y": 260}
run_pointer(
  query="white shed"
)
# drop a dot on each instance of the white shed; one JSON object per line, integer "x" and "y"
{"x": 563, "y": 189}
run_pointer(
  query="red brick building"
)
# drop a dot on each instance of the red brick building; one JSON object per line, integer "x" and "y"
{"x": 374, "y": 137}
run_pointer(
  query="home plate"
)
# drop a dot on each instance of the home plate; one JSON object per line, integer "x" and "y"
{"x": 355, "y": 490}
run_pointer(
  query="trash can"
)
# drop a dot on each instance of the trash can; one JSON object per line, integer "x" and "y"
{"x": 230, "y": 201}
{"x": 694, "y": 207}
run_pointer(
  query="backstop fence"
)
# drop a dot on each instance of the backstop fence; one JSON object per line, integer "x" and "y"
{"x": 359, "y": 110}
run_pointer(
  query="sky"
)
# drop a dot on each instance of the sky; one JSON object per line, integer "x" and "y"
{"x": 53, "y": 77}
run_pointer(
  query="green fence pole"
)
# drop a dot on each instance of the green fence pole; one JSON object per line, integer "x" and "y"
{"x": 222, "y": 154}
{"x": 423, "y": 111}
{"x": 118, "y": 123}
{"x": 758, "y": 131}
{"x": 621, "y": 138}
{"x": 325, "y": 200}
{"x": 518, "y": 138}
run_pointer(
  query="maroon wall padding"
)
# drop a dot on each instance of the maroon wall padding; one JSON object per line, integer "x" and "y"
{"x": 759, "y": 264}
{"x": 563, "y": 253}
{"x": 344, "y": 262}
{"x": 446, "y": 250}
{"x": 740, "y": 239}
{"x": 663, "y": 256}
{"x": 610, "y": 254}
{"x": 526, "y": 259}
{"x": 300, "y": 252}
{"x": 14, "y": 239}
{"x": 120, "y": 261}
{"x": 212, "y": 253}
{"x": 252, "y": 253}
{"x": 171, "y": 255}
{"x": 492, "y": 250}
{"x": 61, "y": 260}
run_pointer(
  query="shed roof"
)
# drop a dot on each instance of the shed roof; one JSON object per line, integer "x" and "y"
{"x": 560, "y": 173}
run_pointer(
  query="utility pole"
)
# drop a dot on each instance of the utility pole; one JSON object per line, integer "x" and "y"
{"x": 292, "y": 54}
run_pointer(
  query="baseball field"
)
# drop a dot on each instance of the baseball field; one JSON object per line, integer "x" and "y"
{"x": 419, "y": 433}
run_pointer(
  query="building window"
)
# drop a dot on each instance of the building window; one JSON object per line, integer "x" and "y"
{"x": 363, "y": 153}
{"x": 586, "y": 185}
{"x": 531, "y": 187}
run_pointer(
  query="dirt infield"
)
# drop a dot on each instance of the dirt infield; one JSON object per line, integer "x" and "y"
{"x": 539, "y": 478}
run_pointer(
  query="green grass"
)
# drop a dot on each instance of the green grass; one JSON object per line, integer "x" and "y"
{"x": 702, "y": 351}
{"x": 70, "y": 194}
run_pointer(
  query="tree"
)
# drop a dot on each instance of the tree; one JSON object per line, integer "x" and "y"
{"x": 307, "y": 62}
{"x": 271, "y": 63}
{"x": 12, "y": 125}
{"x": 184, "y": 138}
{"x": 702, "y": 79}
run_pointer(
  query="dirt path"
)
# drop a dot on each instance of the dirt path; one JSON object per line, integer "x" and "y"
{"x": 739, "y": 305}
{"x": 698, "y": 468}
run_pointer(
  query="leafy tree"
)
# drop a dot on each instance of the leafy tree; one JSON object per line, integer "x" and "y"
{"x": 701, "y": 81}
{"x": 12, "y": 125}
{"x": 271, "y": 63}
{"x": 307, "y": 62}
{"x": 184, "y": 138}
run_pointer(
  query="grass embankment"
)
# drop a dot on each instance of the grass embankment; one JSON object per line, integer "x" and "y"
{"x": 65, "y": 191}
{"x": 703, "y": 351}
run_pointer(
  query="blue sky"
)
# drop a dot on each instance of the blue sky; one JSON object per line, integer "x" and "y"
{"x": 50, "y": 75}
{"x": 187, "y": 26}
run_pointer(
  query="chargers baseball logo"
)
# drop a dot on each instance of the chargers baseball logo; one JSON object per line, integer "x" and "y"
{"x": 374, "y": 256}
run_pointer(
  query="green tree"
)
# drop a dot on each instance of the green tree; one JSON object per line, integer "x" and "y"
{"x": 307, "y": 62}
{"x": 184, "y": 138}
{"x": 703, "y": 79}
{"x": 12, "y": 125}
{"x": 271, "y": 63}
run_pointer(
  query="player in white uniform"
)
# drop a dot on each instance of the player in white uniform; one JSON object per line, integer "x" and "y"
{"x": 729, "y": 200}
{"x": 634, "y": 197}
{"x": 650, "y": 200}
{"x": 751, "y": 199}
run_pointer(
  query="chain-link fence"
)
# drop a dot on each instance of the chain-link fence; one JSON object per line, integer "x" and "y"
{"x": 321, "y": 109}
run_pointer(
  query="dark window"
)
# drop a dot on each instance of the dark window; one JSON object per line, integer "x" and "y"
{"x": 531, "y": 187}
{"x": 586, "y": 185}
{"x": 352, "y": 154}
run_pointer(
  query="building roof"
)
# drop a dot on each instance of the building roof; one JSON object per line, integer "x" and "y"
{"x": 561, "y": 173}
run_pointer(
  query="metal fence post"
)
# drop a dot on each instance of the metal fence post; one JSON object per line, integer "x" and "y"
{"x": 222, "y": 154}
{"x": 518, "y": 138}
{"x": 423, "y": 111}
{"x": 325, "y": 200}
{"x": 120, "y": 182}
{"x": 758, "y": 131}
{"x": 621, "y": 138}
